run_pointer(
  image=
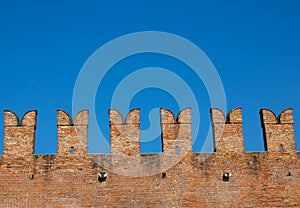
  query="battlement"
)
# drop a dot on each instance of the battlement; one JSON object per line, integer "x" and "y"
{"x": 125, "y": 135}
{"x": 278, "y": 131}
{"x": 19, "y": 136}
{"x": 72, "y": 136}
{"x": 176, "y": 177}
{"x": 228, "y": 132}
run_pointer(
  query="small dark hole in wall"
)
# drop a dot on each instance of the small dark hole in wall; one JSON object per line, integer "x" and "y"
{"x": 289, "y": 174}
{"x": 164, "y": 175}
{"x": 102, "y": 177}
{"x": 177, "y": 149}
{"x": 72, "y": 150}
{"x": 31, "y": 177}
{"x": 226, "y": 177}
{"x": 281, "y": 148}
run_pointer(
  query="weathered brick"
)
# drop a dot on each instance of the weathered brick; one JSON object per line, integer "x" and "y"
{"x": 229, "y": 177}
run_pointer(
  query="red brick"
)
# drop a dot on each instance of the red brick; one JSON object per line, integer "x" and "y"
{"x": 66, "y": 179}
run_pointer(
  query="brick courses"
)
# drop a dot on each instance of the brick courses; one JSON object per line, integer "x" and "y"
{"x": 228, "y": 177}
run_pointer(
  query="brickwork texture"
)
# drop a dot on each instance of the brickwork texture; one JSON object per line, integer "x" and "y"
{"x": 178, "y": 177}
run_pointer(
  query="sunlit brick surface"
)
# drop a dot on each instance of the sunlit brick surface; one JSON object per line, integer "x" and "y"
{"x": 70, "y": 178}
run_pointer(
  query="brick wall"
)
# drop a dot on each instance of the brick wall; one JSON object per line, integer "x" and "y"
{"x": 228, "y": 177}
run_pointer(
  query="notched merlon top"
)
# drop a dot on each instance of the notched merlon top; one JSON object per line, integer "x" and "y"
{"x": 167, "y": 116}
{"x": 12, "y": 119}
{"x": 233, "y": 117}
{"x": 80, "y": 119}
{"x": 116, "y": 118}
{"x": 269, "y": 117}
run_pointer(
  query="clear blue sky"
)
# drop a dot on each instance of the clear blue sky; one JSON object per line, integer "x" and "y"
{"x": 254, "y": 45}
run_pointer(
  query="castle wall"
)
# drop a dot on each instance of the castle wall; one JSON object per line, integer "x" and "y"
{"x": 228, "y": 177}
